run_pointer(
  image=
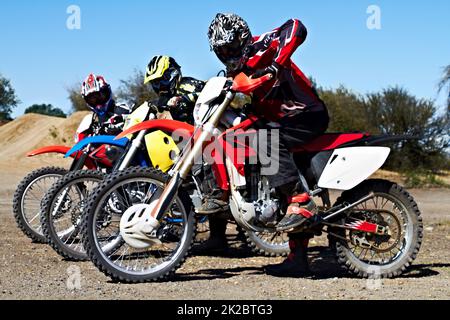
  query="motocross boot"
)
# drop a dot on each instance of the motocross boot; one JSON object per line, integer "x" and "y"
{"x": 211, "y": 206}
{"x": 217, "y": 241}
{"x": 215, "y": 203}
{"x": 300, "y": 208}
{"x": 296, "y": 264}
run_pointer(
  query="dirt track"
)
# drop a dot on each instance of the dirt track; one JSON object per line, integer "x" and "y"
{"x": 34, "y": 271}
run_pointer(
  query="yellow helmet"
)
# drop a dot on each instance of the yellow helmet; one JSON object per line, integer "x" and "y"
{"x": 164, "y": 74}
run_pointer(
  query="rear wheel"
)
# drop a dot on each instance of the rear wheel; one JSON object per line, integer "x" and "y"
{"x": 117, "y": 256}
{"x": 268, "y": 244}
{"x": 380, "y": 256}
{"x": 27, "y": 200}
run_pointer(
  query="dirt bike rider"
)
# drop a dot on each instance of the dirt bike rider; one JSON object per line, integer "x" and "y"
{"x": 288, "y": 103}
{"x": 108, "y": 116}
{"x": 176, "y": 93}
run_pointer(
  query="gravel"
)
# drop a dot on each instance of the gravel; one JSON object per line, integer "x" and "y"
{"x": 35, "y": 271}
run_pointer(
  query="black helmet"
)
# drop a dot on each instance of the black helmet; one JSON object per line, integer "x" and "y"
{"x": 229, "y": 36}
{"x": 164, "y": 74}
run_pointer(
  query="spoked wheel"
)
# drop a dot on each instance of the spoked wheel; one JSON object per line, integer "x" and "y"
{"x": 110, "y": 237}
{"x": 62, "y": 208}
{"x": 385, "y": 255}
{"x": 268, "y": 244}
{"x": 28, "y": 197}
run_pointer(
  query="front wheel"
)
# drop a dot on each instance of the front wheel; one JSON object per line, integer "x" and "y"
{"x": 387, "y": 255}
{"x": 27, "y": 200}
{"x": 113, "y": 250}
{"x": 62, "y": 209}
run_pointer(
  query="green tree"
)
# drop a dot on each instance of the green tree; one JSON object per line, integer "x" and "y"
{"x": 395, "y": 111}
{"x": 77, "y": 101}
{"x": 346, "y": 109}
{"x": 133, "y": 90}
{"x": 8, "y": 99}
{"x": 46, "y": 109}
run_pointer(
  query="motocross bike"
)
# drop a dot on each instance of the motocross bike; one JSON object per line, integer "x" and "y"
{"x": 376, "y": 224}
{"x": 30, "y": 191}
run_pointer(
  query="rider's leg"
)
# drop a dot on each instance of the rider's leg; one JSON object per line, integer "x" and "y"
{"x": 295, "y": 201}
{"x": 216, "y": 199}
{"x": 214, "y": 204}
{"x": 296, "y": 264}
{"x": 296, "y": 131}
{"x": 217, "y": 241}
{"x": 298, "y": 206}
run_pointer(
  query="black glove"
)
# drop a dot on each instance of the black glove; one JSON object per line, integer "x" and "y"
{"x": 272, "y": 69}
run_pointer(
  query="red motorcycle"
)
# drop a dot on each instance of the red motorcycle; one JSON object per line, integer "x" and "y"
{"x": 375, "y": 225}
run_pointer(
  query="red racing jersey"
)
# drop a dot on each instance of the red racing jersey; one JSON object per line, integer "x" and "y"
{"x": 291, "y": 92}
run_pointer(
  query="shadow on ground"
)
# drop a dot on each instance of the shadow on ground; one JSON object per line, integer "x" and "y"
{"x": 323, "y": 265}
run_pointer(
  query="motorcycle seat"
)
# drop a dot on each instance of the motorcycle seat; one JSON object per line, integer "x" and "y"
{"x": 328, "y": 141}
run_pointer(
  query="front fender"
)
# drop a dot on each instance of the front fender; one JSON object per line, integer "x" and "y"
{"x": 184, "y": 129}
{"x": 96, "y": 140}
{"x": 48, "y": 149}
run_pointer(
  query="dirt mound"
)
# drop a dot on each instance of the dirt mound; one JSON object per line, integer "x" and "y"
{"x": 32, "y": 131}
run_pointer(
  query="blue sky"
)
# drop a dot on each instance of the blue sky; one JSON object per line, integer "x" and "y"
{"x": 42, "y": 57}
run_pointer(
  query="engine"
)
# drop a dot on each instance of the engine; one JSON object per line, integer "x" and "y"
{"x": 263, "y": 197}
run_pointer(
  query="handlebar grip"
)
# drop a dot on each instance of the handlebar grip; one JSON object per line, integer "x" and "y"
{"x": 243, "y": 83}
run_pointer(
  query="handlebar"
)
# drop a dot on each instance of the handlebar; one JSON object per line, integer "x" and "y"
{"x": 244, "y": 84}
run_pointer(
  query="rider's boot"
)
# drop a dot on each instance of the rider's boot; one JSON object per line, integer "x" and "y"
{"x": 296, "y": 264}
{"x": 215, "y": 203}
{"x": 300, "y": 208}
{"x": 217, "y": 241}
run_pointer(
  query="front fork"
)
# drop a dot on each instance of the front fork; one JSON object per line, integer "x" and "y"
{"x": 79, "y": 161}
{"x": 183, "y": 169}
{"x": 76, "y": 165}
{"x": 135, "y": 145}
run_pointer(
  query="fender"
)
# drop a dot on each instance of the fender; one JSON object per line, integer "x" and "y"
{"x": 61, "y": 150}
{"x": 96, "y": 140}
{"x": 48, "y": 149}
{"x": 350, "y": 166}
{"x": 186, "y": 130}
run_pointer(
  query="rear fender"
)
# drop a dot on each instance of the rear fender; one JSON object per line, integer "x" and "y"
{"x": 348, "y": 167}
{"x": 96, "y": 140}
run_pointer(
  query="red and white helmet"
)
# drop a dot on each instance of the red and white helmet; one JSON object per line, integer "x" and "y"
{"x": 97, "y": 93}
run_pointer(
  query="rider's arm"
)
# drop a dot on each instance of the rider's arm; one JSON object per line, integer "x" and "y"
{"x": 287, "y": 39}
{"x": 290, "y": 36}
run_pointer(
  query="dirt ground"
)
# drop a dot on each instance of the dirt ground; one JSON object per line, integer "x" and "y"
{"x": 35, "y": 271}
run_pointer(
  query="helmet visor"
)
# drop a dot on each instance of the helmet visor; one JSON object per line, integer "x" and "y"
{"x": 164, "y": 84}
{"x": 97, "y": 100}
{"x": 231, "y": 50}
